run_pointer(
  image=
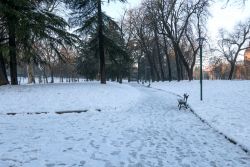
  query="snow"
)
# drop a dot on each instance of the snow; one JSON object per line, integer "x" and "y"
{"x": 225, "y": 105}
{"x": 137, "y": 126}
{"x": 66, "y": 97}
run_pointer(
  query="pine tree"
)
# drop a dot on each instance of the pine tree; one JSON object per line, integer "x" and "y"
{"x": 85, "y": 12}
{"x": 26, "y": 20}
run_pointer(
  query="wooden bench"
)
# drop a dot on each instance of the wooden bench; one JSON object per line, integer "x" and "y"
{"x": 183, "y": 102}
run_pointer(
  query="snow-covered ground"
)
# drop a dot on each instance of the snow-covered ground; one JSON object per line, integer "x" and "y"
{"x": 137, "y": 127}
{"x": 66, "y": 97}
{"x": 225, "y": 105}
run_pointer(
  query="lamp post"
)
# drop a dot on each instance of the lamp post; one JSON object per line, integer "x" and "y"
{"x": 201, "y": 40}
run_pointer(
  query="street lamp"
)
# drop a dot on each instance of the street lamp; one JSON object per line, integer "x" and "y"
{"x": 201, "y": 40}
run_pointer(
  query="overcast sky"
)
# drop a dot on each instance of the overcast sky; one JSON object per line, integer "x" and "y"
{"x": 221, "y": 17}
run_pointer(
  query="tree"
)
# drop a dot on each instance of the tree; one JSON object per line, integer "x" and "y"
{"x": 85, "y": 12}
{"x": 12, "y": 12}
{"x": 241, "y": 2}
{"x": 177, "y": 17}
{"x": 167, "y": 46}
{"x": 143, "y": 37}
{"x": 28, "y": 20}
{"x": 118, "y": 56}
{"x": 3, "y": 75}
{"x": 3, "y": 39}
{"x": 114, "y": 46}
{"x": 130, "y": 45}
{"x": 87, "y": 61}
{"x": 151, "y": 13}
{"x": 231, "y": 44}
{"x": 216, "y": 64}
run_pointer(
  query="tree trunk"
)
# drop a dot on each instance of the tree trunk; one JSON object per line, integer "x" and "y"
{"x": 159, "y": 54}
{"x": 3, "y": 74}
{"x": 151, "y": 66}
{"x": 168, "y": 59}
{"x": 177, "y": 67}
{"x": 139, "y": 70}
{"x": 12, "y": 50}
{"x": 181, "y": 70}
{"x": 190, "y": 74}
{"x": 119, "y": 76}
{"x": 45, "y": 78}
{"x": 155, "y": 69}
{"x": 232, "y": 64}
{"x": 51, "y": 74}
{"x": 129, "y": 75}
{"x": 120, "y": 79}
{"x": 177, "y": 50}
{"x": 40, "y": 78}
{"x": 30, "y": 71}
{"x": 61, "y": 70}
{"x": 101, "y": 44}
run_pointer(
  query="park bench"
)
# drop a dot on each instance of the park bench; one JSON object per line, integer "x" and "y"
{"x": 183, "y": 102}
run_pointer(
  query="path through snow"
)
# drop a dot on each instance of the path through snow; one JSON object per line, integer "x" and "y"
{"x": 153, "y": 133}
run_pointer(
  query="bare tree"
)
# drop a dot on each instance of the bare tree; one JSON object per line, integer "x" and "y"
{"x": 241, "y": 2}
{"x": 231, "y": 44}
{"x": 144, "y": 37}
{"x": 176, "y": 18}
{"x": 151, "y": 12}
{"x": 216, "y": 64}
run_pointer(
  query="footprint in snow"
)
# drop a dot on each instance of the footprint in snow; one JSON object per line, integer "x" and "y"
{"x": 50, "y": 165}
{"x": 115, "y": 153}
{"x": 69, "y": 137}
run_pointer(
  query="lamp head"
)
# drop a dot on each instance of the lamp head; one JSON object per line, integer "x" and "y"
{"x": 201, "y": 40}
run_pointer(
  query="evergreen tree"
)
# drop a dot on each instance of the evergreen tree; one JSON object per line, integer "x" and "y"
{"x": 85, "y": 13}
{"x": 3, "y": 40}
{"x": 117, "y": 58}
{"x": 27, "y": 21}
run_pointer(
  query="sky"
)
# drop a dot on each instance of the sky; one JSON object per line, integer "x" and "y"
{"x": 221, "y": 16}
{"x": 226, "y": 17}
{"x": 116, "y": 9}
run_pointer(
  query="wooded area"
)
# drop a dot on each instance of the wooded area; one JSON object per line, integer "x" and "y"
{"x": 156, "y": 41}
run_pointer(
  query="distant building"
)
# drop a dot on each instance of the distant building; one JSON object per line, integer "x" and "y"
{"x": 247, "y": 62}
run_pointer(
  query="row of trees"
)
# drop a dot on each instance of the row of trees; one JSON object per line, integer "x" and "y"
{"x": 31, "y": 32}
{"x": 156, "y": 40}
{"x": 164, "y": 33}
